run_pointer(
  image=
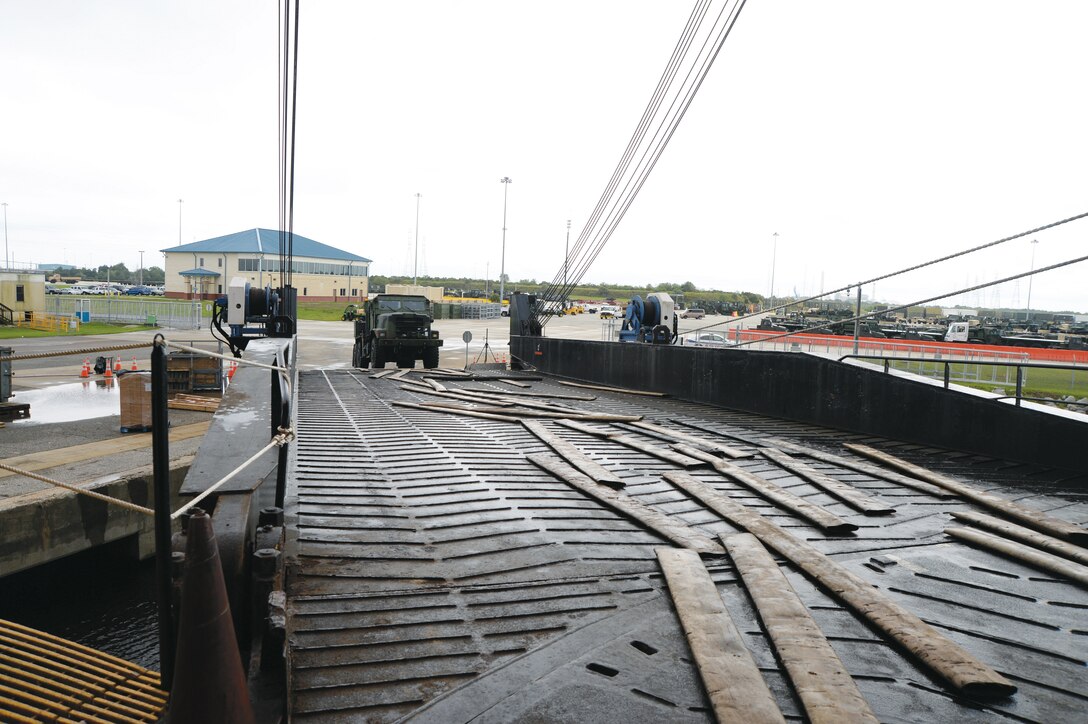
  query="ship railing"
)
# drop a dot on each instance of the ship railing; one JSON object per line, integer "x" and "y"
{"x": 948, "y": 372}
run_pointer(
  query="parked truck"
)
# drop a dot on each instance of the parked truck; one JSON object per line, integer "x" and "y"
{"x": 395, "y": 328}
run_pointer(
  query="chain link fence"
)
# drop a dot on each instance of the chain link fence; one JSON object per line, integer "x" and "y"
{"x": 168, "y": 314}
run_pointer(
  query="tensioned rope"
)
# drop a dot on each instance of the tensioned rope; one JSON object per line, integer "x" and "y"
{"x": 283, "y": 436}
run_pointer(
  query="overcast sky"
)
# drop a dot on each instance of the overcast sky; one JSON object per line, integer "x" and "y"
{"x": 869, "y": 135}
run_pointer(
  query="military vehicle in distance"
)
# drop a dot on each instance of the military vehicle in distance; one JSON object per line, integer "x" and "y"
{"x": 395, "y": 328}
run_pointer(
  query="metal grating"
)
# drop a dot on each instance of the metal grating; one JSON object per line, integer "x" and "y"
{"x": 435, "y": 574}
{"x": 47, "y": 678}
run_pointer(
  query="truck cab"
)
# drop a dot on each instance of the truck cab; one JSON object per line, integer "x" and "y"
{"x": 395, "y": 328}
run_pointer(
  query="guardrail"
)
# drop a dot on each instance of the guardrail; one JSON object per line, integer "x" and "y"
{"x": 833, "y": 344}
{"x": 170, "y": 314}
{"x": 1020, "y": 377}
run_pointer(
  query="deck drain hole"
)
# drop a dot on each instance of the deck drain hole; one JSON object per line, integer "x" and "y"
{"x": 648, "y": 695}
{"x": 644, "y": 648}
{"x": 602, "y": 669}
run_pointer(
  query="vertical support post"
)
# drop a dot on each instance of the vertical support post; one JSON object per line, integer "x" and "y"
{"x": 160, "y": 451}
{"x": 857, "y": 321}
{"x": 947, "y": 373}
{"x": 281, "y": 417}
{"x": 1019, "y": 383}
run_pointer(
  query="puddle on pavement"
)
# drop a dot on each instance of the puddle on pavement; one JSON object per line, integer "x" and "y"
{"x": 65, "y": 403}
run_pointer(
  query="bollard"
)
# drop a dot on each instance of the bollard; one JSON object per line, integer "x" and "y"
{"x": 209, "y": 682}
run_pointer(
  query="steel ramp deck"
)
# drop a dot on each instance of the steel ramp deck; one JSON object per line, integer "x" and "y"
{"x": 435, "y": 574}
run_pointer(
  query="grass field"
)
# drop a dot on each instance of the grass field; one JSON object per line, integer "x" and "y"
{"x": 84, "y": 329}
{"x": 1038, "y": 381}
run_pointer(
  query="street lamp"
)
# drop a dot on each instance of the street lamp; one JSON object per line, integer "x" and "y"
{"x": 6, "y": 262}
{"x": 505, "y": 181}
{"x": 774, "y": 257}
{"x": 179, "y": 223}
{"x": 1031, "y": 276}
{"x": 141, "y": 268}
{"x": 415, "y": 267}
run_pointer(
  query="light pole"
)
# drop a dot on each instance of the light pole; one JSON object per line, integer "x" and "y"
{"x": 179, "y": 222}
{"x": 505, "y": 181}
{"x": 6, "y": 235}
{"x": 141, "y": 268}
{"x": 774, "y": 258}
{"x": 566, "y": 260}
{"x": 415, "y": 267}
{"x": 1031, "y": 276}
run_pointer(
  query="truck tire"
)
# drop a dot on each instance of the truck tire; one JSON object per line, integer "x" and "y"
{"x": 357, "y": 355}
{"x": 430, "y": 358}
{"x": 377, "y": 359}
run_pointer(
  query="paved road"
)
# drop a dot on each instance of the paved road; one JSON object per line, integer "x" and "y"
{"x": 321, "y": 344}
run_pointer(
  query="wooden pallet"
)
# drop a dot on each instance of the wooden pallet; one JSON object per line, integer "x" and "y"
{"x": 200, "y": 403}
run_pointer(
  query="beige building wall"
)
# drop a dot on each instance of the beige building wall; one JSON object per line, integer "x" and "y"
{"x": 22, "y": 291}
{"x": 433, "y": 294}
{"x": 311, "y": 287}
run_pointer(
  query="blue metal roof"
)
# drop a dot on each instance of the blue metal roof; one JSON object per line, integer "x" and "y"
{"x": 265, "y": 241}
{"x": 198, "y": 273}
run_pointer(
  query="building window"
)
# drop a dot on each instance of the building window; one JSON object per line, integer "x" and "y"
{"x": 201, "y": 262}
{"x": 342, "y": 290}
{"x": 304, "y": 291}
{"x": 220, "y": 261}
{"x": 220, "y": 288}
{"x": 20, "y": 295}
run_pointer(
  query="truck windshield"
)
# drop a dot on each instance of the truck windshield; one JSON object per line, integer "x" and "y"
{"x": 402, "y": 305}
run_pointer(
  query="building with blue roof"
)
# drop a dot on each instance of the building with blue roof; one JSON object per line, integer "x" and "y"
{"x": 204, "y": 269}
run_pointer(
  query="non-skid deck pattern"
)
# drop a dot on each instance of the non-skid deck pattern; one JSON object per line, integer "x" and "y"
{"x": 435, "y": 573}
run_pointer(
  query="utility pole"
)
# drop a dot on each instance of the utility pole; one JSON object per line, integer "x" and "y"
{"x": 415, "y": 267}
{"x": 505, "y": 181}
{"x": 141, "y": 268}
{"x": 179, "y": 221}
{"x": 1029, "y": 279}
{"x": 774, "y": 258}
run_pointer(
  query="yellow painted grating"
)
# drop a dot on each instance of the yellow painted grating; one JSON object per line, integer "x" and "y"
{"x": 44, "y": 678}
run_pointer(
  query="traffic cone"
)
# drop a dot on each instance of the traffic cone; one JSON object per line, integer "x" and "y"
{"x": 230, "y": 373}
{"x": 134, "y": 367}
{"x": 117, "y": 365}
{"x": 108, "y": 374}
{"x": 86, "y": 371}
{"x": 209, "y": 683}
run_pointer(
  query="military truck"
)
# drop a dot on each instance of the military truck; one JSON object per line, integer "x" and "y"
{"x": 395, "y": 328}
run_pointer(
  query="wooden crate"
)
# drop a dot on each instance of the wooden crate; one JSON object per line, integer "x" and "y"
{"x": 186, "y": 372}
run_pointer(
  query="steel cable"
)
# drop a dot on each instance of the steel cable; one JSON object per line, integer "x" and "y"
{"x": 916, "y": 267}
{"x": 597, "y": 232}
{"x": 869, "y": 315}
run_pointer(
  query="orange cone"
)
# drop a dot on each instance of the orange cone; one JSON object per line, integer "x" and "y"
{"x": 117, "y": 365}
{"x": 86, "y": 371}
{"x": 209, "y": 683}
{"x": 134, "y": 367}
{"x": 108, "y": 374}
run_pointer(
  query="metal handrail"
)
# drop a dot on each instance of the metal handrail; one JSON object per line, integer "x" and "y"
{"x": 1020, "y": 366}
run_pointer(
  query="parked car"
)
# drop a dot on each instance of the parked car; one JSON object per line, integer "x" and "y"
{"x": 708, "y": 339}
{"x": 50, "y": 289}
{"x": 139, "y": 291}
{"x": 693, "y": 314}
